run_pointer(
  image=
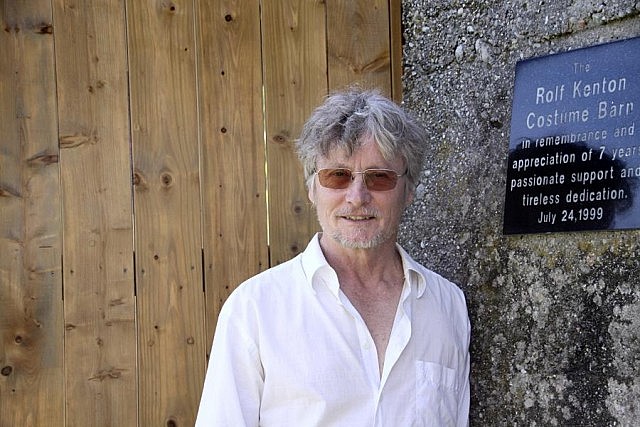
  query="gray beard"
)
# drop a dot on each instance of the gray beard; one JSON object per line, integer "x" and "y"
{"x": 374, "y": 242}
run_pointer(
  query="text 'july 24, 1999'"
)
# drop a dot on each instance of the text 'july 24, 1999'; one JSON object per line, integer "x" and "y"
{"x": 574, "y": 151}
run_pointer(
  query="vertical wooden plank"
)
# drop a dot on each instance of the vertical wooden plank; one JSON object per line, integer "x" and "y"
{"x": 233, "y": 153}
{"x": 167, "y": 210}
{"x": 358, "y": 44}
{"x": 295, "y": 73}
{"x": 100, "y": 350}
{"x": 397, "y": 69}
{"x": 31, "y": 325}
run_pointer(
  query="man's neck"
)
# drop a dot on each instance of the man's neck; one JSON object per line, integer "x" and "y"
{"x": 373, "y": 265}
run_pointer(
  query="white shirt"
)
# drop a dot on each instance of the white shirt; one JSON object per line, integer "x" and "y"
{"x": 291, "y": 350}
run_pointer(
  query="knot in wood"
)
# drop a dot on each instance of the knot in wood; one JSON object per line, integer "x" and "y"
{"x": 279, "y": 139}
{"x": 43, "y": 160}
{"x": 44, "y": 28}
{"x": 169, "y": 6}
{"x": 167, "y": 179}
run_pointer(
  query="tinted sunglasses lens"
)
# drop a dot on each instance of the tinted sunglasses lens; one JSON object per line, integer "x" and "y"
{"x": 334, "y": 178}
{"x": 380, "y": 179}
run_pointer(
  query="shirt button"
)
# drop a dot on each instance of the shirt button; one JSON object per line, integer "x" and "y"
{"x": 367, "y": 345}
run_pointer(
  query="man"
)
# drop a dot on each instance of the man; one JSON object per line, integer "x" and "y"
{"x": 352, "y": 332}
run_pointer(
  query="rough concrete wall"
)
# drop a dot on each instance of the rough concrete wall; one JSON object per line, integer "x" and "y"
{"x": 555, "y": 317}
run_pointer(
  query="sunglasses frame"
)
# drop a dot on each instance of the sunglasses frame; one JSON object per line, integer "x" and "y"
{"x": 365, "y": 176}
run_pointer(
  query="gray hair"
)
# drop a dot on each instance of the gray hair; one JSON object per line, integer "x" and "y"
{"x": 348, "y": 118}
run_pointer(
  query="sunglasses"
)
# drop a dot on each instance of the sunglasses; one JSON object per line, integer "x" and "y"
{"x": 374, "y": 179}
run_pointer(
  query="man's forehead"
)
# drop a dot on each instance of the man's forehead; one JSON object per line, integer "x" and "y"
{"x": 368, "y": 151}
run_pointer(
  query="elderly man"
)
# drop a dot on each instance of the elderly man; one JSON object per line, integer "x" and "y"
{"x": 353, "y": 331}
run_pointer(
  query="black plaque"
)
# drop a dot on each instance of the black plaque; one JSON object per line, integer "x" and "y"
{"x": 574, "y": 149}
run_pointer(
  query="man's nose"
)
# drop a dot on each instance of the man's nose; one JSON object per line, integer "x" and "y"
{"x": 357, "y": 192}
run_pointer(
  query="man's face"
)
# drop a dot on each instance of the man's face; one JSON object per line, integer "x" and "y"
{"x": 356, "y": 217}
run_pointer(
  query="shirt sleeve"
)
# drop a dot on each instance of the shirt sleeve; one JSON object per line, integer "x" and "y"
{"x": 464, "y": 391}
{"x": 234, "y": 380}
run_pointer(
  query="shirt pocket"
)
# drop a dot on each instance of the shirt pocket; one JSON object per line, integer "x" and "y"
{"x": 436, "y": 395}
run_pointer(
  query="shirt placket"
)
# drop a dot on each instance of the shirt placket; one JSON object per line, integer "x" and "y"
{"x": 400, "y": 333}
{"x": 366, "y": 345}
{"x": 398, "y": 341}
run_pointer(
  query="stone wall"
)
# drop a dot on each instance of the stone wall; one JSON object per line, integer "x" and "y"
{"x": 555, "y": 317}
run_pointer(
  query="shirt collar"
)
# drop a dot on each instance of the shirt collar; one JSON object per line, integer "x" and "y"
{"x": 413, "y": 272}
{"x": 316, "y": 267}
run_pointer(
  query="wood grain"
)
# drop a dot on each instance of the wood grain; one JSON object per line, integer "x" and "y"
{"x": 233, "y": 153}
{"x": 99, "y": 305}
{"x": 395, "y": 34}
{"x": 358, "y": 44}
{"x": 164, "y": 116}
{"x": 31, "y": 339}
{"x": 295, "y": 75}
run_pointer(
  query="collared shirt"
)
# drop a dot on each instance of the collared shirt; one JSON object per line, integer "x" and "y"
{"x": 291, "y": 350}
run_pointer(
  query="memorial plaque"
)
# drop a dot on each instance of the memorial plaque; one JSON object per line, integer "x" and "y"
{"x": 574, "y": 148}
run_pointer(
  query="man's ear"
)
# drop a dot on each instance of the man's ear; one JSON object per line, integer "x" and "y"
{"x": 311, "y": 192}
{"x": 409, "y": 197}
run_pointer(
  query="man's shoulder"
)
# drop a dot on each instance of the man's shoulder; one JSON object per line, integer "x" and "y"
{"x": 437, "y": 285}
{"x": 273, "y": 281}
{"x": 430, "y": 277}
{"x": 444, "y": 285}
